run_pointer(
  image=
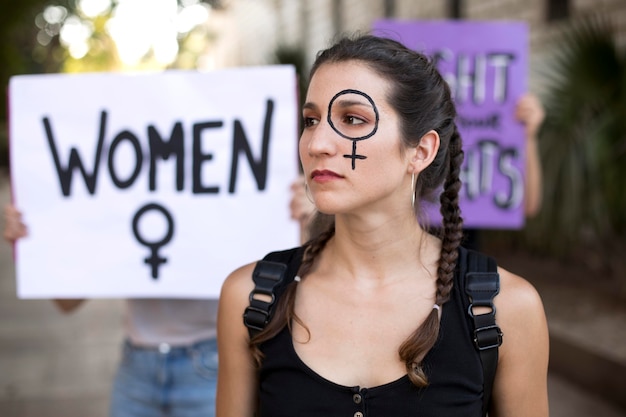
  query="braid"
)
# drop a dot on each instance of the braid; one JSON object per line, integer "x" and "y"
{"x": 284, "y": 311}
{"x": 452, "y": 221}
{"x": 413, "y": 350}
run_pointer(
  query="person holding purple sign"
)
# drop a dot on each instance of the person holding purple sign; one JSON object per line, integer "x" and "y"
{"x": 374, "y": 321}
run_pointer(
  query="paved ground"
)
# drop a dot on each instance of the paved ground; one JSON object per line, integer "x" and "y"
{"x": 53, "y": 364}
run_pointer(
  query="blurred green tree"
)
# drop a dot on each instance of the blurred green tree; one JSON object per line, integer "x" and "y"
{"x": 17, "y": 26}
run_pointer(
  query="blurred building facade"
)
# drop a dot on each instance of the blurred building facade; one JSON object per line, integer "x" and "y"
{"x": 251, "y": 30}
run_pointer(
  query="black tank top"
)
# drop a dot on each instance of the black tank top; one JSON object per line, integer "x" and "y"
{"x": 289, "y": 388}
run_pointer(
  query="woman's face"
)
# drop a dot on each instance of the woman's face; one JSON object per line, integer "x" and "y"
{"x": 351, "y": 147}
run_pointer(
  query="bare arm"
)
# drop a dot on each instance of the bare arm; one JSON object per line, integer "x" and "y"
{"x": 530, "y": 112}
{"x": 237, "y": 381}
{"x": 14, "y": 228}
{"x": 520, "y": 387}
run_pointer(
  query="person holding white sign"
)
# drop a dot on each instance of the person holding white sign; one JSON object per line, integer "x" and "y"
{"x": 370, "y": 317}
{"x": 169, "y": 343}
{"x": 169, "y": 358}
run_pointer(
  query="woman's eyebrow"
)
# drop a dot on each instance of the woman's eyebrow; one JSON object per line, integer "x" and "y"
{"x": 309, "y": 106}
{"x": 343, "y": 103}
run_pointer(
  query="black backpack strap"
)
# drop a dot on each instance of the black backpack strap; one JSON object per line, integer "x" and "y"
{"x": 271, "y": 276}
{"x": 482, "y": 284}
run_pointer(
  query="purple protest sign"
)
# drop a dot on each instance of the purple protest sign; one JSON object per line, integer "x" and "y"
{"x": 485, "y": 64}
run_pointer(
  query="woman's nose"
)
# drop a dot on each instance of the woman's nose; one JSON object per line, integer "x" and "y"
{"x": 321, "y": 139}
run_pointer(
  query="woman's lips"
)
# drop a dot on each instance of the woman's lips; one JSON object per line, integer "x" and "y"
{"x": 324, "y": 175}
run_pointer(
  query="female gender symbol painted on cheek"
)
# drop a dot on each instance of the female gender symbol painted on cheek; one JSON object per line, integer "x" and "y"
{"x": 354, "y": 132}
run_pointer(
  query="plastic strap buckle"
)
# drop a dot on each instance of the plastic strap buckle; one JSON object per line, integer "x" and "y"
{"x": 267, "y": 276}
{"x": 488, "y": 337}
{"x": 255, "y": 318}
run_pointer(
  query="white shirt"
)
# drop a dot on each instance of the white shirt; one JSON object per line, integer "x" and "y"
{"x": 176, "y": 322}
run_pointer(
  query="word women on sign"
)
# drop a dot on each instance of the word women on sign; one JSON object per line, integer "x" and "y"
{"x": 161, "y": 147}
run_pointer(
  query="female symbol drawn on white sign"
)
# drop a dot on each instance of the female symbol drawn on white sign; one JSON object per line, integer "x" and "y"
{"x": 350, "y": 124}
{"x": 154, "y": 259}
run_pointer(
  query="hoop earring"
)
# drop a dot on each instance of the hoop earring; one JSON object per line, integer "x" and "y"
{"x": 307, "y": 192}
{"x": 413, "y": 184}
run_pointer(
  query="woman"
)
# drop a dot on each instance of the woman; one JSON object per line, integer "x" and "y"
{"x": 373, "y": 325}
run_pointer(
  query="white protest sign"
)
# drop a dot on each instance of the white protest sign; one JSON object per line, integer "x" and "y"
{"x": 150, "y": 185}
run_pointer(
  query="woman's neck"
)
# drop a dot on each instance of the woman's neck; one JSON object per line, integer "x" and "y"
{"x": 376, "y": 248}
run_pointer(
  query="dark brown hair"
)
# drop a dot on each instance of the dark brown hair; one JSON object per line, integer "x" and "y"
{"x": 422, "y": 99}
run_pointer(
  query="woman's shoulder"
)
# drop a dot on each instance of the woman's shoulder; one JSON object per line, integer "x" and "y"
{"x": 233, "y": 301}
{"x": 239, "y": 281}
{"x": 524, "y": 353}
{"x": 517, "y": 295}
{"x": 519, "y": 311}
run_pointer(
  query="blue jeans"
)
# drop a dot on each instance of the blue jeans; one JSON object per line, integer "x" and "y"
{"x": 176, "y": 382}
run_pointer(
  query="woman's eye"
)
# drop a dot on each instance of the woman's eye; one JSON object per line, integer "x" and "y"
{"x": 353, "y": 120}
{"x": 310, "y": 121}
